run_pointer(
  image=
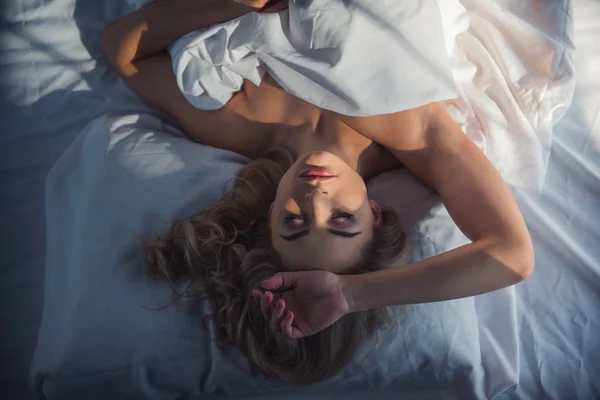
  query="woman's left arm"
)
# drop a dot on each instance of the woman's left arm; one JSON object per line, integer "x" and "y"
{"x": 477, "y": 199}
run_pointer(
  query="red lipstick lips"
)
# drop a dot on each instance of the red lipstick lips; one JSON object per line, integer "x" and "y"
{"x": 317, "y": 174}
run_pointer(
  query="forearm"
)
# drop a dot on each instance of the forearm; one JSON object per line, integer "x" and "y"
{"x": 469, "y": 270}
{"x": 152, "y": 28}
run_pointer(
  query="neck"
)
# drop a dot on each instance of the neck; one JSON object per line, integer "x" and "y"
{"x": 330, "y": 134}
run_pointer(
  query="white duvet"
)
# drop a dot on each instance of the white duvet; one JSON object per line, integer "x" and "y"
{"x": 367, "y": 57}
{"x": 362, "y": 57}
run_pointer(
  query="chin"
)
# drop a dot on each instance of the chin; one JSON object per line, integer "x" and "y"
{"x": 321, "y": 159}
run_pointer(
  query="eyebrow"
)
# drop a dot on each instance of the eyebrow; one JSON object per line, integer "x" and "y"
{"x": 305, "y": 232}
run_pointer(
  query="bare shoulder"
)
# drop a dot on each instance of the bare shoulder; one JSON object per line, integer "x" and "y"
{"x": 425, "y": 139}
{"x": 408, "y": 129}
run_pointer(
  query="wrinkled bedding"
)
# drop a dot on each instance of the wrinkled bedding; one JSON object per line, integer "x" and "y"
{"x": 137, "y": 177}
{"x": 510, "y": 66}
{"x": 357, "y": 58}
{"x": 55, "y": 81}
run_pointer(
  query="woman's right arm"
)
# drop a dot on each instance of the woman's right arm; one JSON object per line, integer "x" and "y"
{"x": 136, "y": 47}
{"x": 434, "y": 148}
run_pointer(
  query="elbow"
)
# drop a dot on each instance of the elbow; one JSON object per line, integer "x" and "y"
{"x": 112, "y": 45}
{"x": 523, "y": 259}
{"x": 528, "y": 262}
{"x": 516, "y": 257}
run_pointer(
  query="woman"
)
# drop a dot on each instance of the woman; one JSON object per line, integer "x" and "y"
{"x": 298, "y": 217}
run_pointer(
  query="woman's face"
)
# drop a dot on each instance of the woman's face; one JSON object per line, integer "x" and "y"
{"x": 321, "y": 217}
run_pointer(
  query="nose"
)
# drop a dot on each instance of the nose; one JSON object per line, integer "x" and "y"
{"x": 319, "y": 205}
{"x": 316, "y": 192}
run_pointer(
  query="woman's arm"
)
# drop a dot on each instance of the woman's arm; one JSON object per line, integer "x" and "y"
{"x": 152, "y": 28}
{"x": 479, "y": 202}
{"x": 434, "y": 148}
{"x": 136, "y": 47}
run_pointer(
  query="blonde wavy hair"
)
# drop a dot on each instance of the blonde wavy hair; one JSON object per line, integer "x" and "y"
{"x": 225, "y": 252}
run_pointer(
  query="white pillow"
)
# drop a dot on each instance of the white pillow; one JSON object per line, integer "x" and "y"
{"x": 125, "y": 179}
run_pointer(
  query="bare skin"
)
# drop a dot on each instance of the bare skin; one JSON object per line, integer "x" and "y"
{"x": 425, "y": 140}
{"x": 256, "y": 119}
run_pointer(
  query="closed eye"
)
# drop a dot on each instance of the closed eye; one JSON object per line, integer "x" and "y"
{"x": 341, "y": 215}
{"x": 336, "y": 215}
{"x": 290, "y": 217}
{"x": 293, "y": 220}
{"x": 340, "y": 218}
{"x": 306, "y": 232}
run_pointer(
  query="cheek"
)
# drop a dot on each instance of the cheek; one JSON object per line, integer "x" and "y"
{"x": 284, "y": 190}
{"x": 353, "y": 194}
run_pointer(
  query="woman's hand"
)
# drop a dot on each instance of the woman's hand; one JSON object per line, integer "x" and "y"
{"x": 301, "y": 304}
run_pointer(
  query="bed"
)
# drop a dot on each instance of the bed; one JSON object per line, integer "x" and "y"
{"x": 55, "y": 82}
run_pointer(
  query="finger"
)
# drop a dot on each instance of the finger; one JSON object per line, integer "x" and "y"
{"x": 288, "y": 327}
{"x": 280, "y": 280}
{"x": 286, "y": 324}
{"x": 276, "y": 314}
{"x": 265, "y": 302}
{"x": 260, "y": 298}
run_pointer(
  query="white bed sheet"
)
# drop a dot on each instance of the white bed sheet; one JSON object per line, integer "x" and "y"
{"x": 52, "y": 87}
{"x": 558, "y": 307}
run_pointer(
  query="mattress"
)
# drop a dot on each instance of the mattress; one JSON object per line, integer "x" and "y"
{"x": 55, "y": 81}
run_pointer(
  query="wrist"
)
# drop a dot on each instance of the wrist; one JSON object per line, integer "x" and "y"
{"x": 352, "y": 290}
